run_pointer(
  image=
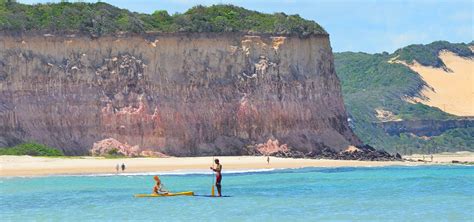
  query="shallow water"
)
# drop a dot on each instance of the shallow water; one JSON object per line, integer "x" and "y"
{"x": 431, "y": 193}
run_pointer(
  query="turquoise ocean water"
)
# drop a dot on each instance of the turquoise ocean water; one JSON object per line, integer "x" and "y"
{"x": 428, "y": 193}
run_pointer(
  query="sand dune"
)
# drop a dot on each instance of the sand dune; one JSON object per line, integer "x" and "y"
{"x": 451, "y": 91}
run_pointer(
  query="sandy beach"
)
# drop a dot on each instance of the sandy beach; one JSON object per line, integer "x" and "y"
{"x": 41, "y": 166}
{"x": 462, "y": 156}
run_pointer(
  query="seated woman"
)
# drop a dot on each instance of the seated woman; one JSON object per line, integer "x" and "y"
{"x": 159, "y": 187}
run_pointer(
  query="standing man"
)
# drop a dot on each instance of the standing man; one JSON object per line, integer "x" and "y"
{"x": 268, "y": 159}
{"x": 117, "y": 167}
{"x": 218, "y": 170}
{"x": 123, "y": 167}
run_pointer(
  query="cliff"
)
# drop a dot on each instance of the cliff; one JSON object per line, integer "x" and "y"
{"x": 180, "y": 94}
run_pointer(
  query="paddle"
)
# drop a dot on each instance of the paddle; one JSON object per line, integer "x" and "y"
{"x": 212, "y": 189}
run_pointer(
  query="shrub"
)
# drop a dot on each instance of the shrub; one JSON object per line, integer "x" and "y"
{"x": 101, "y": 18}
{"x": 427, "y": 55}
{"x": 114, "y": 152}
{"x": 31, "y": 149}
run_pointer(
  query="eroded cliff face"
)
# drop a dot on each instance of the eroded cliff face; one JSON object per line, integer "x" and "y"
{"x": 182, "y": 94}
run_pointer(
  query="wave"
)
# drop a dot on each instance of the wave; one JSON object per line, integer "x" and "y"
{"x": 180, "y": 172}
{"x": 161, "y": 173}
{"x": 229, "y": 172}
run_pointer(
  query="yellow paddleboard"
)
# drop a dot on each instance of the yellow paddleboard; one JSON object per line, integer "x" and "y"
{"x": 186, "y": 193}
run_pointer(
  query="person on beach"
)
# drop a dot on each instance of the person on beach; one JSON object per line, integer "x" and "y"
{"x": 159, "y": 188}
{"x": 117, "y": 167}
{"x": 268, "y": 160}
{"x": 218, "y": 170}
{"x": 431, "y": 157}
{"x": 123, "y": 167}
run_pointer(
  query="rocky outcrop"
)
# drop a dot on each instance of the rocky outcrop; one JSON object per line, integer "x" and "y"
{"x": 365, "y": 152}
{"x": 272, "y": 147}
{"x": 181, "y": 94}
{"x": 112, "y": 147}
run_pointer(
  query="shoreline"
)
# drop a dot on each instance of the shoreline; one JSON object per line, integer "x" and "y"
{"x": 18, "y": 166}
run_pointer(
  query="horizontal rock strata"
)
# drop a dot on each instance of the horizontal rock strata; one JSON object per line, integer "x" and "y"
{"x": 180, "y": 94}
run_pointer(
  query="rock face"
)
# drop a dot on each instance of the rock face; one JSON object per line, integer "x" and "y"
{"x": 272, "y": 147}
{"x": 365, "y": 152}
{"x": 111, "y": 146}
{"x": 181, "y": 94}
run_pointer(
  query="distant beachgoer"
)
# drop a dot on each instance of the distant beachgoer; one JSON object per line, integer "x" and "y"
{"x": 268, "y": 160}
{"x": 218, "y": 170}
{"x": 123, "y": 167}
{"x": 431, "y": 157}
{"x": 159, "y": 188}
{"x": 117, "y": 167}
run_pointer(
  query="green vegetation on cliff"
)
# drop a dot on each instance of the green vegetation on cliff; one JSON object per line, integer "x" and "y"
{"x": 31, "y": 149}
{"x": 452, "y": 140}
{"x": 370, "y": 82}
{"x": 427, "y": 55}
{"x": 101, "y": 18}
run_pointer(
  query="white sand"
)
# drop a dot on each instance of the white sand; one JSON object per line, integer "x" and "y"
{"x": 463, "y": 156}
{"x": 36, "y": 166}
{"x": 452, "y": 92}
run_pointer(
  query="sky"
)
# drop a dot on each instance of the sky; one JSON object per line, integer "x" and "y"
{"x": 371, "y": 26}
